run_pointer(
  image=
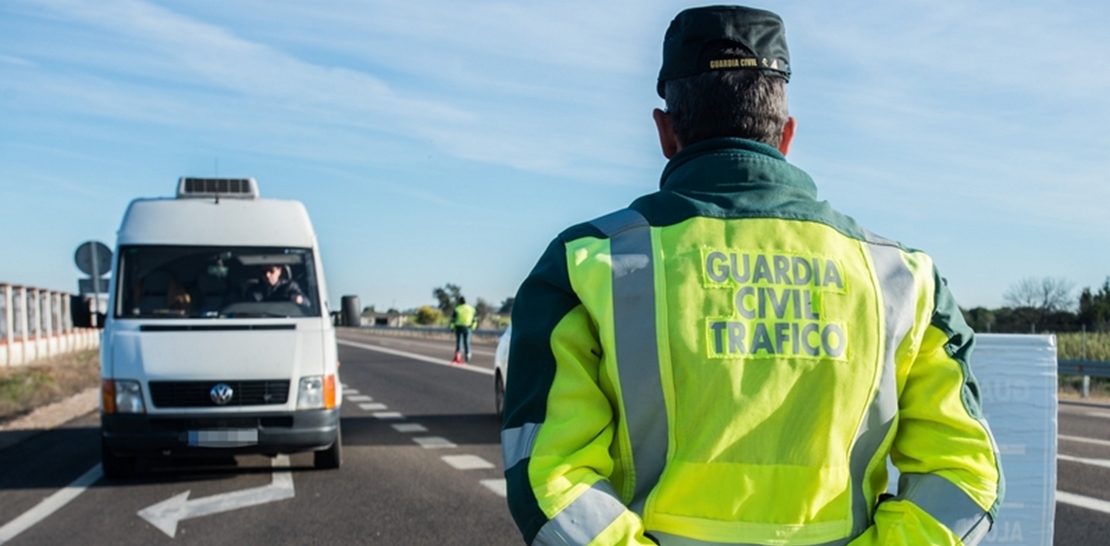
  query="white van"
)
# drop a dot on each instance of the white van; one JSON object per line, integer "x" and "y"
{"x": 218, "y": 339}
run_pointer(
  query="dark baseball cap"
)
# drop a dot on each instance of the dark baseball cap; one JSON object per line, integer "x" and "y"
{"x": 694, "y": 41}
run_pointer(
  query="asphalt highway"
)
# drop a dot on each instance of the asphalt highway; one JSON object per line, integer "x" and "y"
{"x": 422, "y": 465}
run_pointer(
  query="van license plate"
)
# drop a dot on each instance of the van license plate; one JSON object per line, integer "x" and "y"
{"x": 223, "y": 438}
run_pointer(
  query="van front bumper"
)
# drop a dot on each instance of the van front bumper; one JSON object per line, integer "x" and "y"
{"x": 190, "y": 435}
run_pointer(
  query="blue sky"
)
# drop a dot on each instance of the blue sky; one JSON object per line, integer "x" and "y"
{"x": 447, "y": 142}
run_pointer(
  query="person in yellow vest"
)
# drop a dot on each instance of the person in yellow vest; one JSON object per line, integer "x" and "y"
{"x": 729, "y": 360}
{"x": 463, "y": 320}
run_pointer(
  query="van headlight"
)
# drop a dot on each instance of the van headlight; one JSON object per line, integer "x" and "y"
{"x": 121, "y": 396}
{"x": 316, "y": 392}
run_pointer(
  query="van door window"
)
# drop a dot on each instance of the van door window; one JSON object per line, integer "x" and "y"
{"x": 216, "y": 282}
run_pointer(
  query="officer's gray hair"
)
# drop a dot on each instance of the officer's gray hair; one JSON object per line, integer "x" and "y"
{"x": 727, "y": 103}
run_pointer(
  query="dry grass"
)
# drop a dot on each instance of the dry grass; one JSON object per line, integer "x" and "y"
{"x": 25, "y": 388}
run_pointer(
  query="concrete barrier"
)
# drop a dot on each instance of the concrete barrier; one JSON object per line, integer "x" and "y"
{"x": 36, "y": 324}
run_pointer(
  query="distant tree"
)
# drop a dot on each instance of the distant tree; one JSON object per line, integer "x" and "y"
{"x": 980, "y": 319}
{"x": 1094, "y": 308}
{"x": 427, "y": 315}
{"x": 1046, "y": 295}
{"x": 506, "y": 306}
{"x": 447, "y": 297}
{"x": 368, "y": 309}
{"x": 483, "y": 309}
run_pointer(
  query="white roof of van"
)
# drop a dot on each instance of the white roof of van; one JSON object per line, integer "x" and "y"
{"x": 230, "y": 222}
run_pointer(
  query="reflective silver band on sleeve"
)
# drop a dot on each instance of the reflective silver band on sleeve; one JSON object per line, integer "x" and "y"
{"x": 516, "y": 443}
{"x": 947, "y": 503}
{"x": 586, "y": 518}
{"x": 637, "y": 348}
{"x": 665, "y": 539}
{"x": 896, "y": 287}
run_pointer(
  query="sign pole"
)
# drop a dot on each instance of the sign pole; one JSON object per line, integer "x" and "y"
{"x": 96, "y": 286}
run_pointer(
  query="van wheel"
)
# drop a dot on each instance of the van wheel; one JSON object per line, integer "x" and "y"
{"x": 331, "y": 457}
{"x": 499, "y": 394}
{"x": 115, "y": 466}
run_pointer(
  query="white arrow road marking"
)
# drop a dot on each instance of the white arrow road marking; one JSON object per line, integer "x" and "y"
{"x": 49, "y": 505}
{"x": 166, "y": 514}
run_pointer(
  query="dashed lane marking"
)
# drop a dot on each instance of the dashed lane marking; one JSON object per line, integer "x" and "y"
{"x": 50, "y": 504}
{"x": 372, "y": 406}
{"x": 1084, "y": 440}
{"x": 1083, "y": 502}
{"x": 415, "y": 356}
{"x": 409, "y": 427}
{"x": 359, "y": 398}
{"x": 467, "y": 462}
{"x": 1103, "y": 414}
{"x": 388, "y": 415}
{"x": 497, "y": 486}
{"x": 1082, "y": 460}
{"x": 433, "y": 442}
{"x": 350, "y": 392}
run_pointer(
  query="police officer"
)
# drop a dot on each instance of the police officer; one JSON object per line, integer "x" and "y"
{"x": 731, "y": 361}
{"x": 463, "y": 319}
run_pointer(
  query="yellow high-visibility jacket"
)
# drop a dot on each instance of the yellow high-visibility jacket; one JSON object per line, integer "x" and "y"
{"x": 731, "y": 361}
{"x": 464, "y": 315}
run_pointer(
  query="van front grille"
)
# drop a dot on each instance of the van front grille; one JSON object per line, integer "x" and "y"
{"x": 198, "y": 394}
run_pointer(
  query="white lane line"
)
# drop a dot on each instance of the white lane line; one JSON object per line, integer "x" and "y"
{"x": 409, "y": 427}
{"x": 388, "y": 415}
{"x": 1082, "y": 460}
{"x": 415, "y": 356}
{"x": 1083, "y": 502}
{"x": 50, "y": 504}
{"x": 350, "y": 392}
{"x": 497, "y": 486}
{"x": 372, "y": 406}
{"x": 466, "y": 462}
{"x": 433, "y": 442}
{"x": 1084, "y": 440}
{"x": 1103, "y": 414}
{"x": 359, "y": 398}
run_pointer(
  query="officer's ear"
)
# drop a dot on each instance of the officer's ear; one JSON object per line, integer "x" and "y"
{"x": 787, "y": 135}
{"x": 667, "y": 139}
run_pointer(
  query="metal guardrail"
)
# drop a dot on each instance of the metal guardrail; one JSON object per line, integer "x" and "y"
{"x": 1090, "y": 368}
{"x": 481, "y": 335}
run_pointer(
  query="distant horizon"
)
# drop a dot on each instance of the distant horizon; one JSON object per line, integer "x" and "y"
{"x": 433, "y": 144}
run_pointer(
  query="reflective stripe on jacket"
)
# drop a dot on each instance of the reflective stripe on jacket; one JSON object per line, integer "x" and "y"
{"x": 730, "y": 361}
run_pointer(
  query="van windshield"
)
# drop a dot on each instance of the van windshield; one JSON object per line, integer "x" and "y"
{"x": 169, "y": 282}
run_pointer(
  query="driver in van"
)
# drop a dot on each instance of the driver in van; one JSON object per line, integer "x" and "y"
{"x": 273, "y": 287}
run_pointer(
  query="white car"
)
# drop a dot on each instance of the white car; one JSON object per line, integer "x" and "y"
{"x": 501, "y": 370}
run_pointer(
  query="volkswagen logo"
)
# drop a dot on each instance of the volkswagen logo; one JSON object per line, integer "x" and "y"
{"x": 221, "y": 394}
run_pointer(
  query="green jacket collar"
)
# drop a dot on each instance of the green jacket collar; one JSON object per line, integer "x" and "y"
{"x": 733, "y": 164}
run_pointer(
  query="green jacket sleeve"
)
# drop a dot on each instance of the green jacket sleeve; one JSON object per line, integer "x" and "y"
{"x": 558, "y": 422}
{"x": 951, "y": 481}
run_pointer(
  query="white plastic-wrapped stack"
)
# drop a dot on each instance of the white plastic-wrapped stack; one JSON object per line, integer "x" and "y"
{"x": 1017, "y": 377}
